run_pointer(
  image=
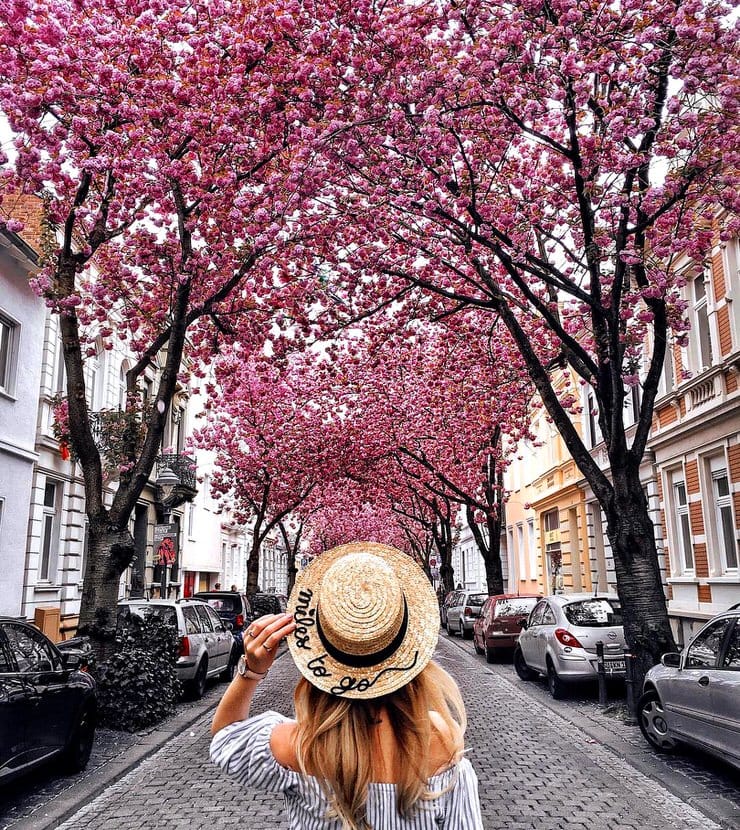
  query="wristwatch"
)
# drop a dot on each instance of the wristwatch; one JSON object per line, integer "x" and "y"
{"x": 244, "y": 671}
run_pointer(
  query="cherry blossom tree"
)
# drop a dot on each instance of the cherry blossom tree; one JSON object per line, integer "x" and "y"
{"x": 451, "y": 402}
{"x": 556, "y": 164}
{"x": 165, "y": 139}
{"x": 276, "y": 440}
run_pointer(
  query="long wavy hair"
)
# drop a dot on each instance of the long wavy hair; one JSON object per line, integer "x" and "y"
{"x": 335, "y": 737}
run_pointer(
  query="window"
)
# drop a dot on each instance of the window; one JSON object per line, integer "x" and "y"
{"x": 682, "y": 529}
{"x": 521, "y": 550}
{"x": 593, "y": 613}
{"x": 726, "y": 540}
{"x": 9, "y": 337}
{"x": 192, "y": 625}
{"x": 700, "y": 323}
{"x": 122, "y": 386}
{"x": 531, "y": 549}
{"x": 85, "y": 551}
{"x": 537, "y": 614}
{"x": 548, "y": 617}
{"x": 732, "y": 654}
{"x": 703, "y": 652}
{"x": 204, "y": 618}
{"x": 31, "y": 651}
{"x": 60, "y": 375}
{"x": 49, "y": 530}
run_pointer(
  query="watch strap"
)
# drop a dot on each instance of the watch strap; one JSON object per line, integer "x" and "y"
{"x": 244, "y": 671}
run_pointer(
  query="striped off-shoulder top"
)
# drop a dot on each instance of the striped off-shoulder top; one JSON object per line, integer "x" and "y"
{"x": 243, "y": 750}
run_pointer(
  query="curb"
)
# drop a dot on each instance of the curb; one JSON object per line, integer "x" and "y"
{"x": 71, "y": 800}
{"x": 714, "y": 807}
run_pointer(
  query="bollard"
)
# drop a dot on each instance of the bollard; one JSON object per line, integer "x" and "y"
{"x": 629, "y": 681}
{"x": 601, "y": 673}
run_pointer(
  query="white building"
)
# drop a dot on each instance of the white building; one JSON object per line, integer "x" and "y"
{"x": 22, "y": 314}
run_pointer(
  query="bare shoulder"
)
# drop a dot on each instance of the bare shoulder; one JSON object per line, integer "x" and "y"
{"x": 442, "y": 749}
{"x": 282, "y": 744}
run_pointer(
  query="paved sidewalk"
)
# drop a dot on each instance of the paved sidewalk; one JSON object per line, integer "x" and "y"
{"x": 536, "y": 770}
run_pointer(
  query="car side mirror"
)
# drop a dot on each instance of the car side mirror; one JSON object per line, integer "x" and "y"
{"x": 671, "y": 660}
{"x": 522, "y": 624}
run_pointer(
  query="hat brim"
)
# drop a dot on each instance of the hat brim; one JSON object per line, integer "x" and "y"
{"x": 414, "y": 652}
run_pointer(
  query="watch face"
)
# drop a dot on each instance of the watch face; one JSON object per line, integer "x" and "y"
{"x": 241, "y": 666}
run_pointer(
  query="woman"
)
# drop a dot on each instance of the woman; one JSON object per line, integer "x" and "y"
{"x": 377, "y": 740}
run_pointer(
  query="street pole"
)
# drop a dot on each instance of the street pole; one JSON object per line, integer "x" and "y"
{"x": 163, "y": 564}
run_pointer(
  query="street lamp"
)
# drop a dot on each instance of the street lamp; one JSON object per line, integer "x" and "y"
{"x": 166, "y": 483}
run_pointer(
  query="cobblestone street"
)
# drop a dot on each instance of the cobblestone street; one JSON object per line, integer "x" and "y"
{"x": 536, "y": 770}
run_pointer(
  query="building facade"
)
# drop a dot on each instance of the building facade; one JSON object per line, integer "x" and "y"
{"x": 690, "y": 473}
{"x": 22, "y": 316}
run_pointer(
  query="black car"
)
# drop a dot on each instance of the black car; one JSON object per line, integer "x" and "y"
{"x": 231, "y": 606}
{"x": 48, "y": 703}
{"x": 268, "y": 603}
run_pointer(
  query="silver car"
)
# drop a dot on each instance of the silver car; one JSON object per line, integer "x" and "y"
{"x": 560, "y": 636}
{"x": 206, "y": 643}
{"x": 462, "y": 611}
{"x": 694, "y": 697}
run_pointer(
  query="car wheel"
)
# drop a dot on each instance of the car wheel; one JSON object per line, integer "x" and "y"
{"x": 450, "y": 632}
{"x": 554, "y": 683}
{"x": 478, "y": 649}
{"x": 653, "y": 723}
{"x": 521, "y": 668}
{"x": 464, "y": 632}
{"x": 198, "y": 683}
{"x": 227, "y": 675}
{"x": 77, "y": 752}
{"x": 491, "y": 654}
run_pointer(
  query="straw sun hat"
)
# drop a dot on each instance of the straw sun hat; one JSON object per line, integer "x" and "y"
{"x": 367, "y": 620}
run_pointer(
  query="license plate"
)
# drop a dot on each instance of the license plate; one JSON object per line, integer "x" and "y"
{"x": 614, "y": 665}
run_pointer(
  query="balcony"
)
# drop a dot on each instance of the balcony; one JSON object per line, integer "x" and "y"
{"x": 184, "y": 468}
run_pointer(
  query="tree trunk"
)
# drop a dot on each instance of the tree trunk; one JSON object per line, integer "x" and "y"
{"x": 253, "y": 565}
{"x": 109, "y": 551}
{"x": 631, "y": 534}
{"x": 489, "y": 549}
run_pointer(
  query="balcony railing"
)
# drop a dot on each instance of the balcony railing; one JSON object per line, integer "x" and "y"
{"x": 182, "y": 466}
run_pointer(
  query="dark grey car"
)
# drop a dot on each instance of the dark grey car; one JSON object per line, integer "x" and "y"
{"x": 48, "y": 703}
{"x": 694, "y": 697}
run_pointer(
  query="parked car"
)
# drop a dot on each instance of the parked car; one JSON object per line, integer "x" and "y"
{"x": 444, "y": 605}
{"x": 559, "y": 640}
{"x": 499, "y": 625}
{"x": 48, "y": 703}
{"x": 207, "y": 647}
{"x": 694, "y": 697}
{"x": 268, "y": 603}
{"x": 232, "y": 607}
{"x": 462, "y": 611}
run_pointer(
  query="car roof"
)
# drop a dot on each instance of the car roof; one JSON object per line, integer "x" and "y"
{"x": 145, "y": 601}
{"x": 515, "y": 596}
{"x": 566, "y": 599}
{"x": 198, "y": 594}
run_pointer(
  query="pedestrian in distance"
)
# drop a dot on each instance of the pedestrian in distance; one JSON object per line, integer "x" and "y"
{"x": 378, "y": 735}
{"x": 233, "y": 589}
{"x": 217, "y": 586}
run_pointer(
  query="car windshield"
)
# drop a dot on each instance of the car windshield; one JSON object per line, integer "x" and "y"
{"x": 165, "y": 613}
{"x": 477, "y": 599}
{"x": 512, "y": 607}
{"x": 593, "y": 613}
{"x": 224, "y": 605}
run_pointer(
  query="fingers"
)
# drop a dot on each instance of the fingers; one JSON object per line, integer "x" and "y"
{"x": 263, "y": 637}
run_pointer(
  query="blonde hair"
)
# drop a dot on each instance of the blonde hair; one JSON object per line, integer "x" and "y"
{"x": 335, "y": 734}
